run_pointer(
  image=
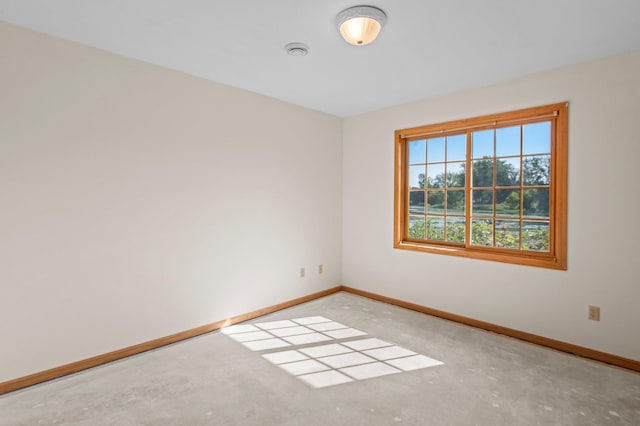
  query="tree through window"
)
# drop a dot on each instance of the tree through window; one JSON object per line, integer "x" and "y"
{"x": 491, "y": 187}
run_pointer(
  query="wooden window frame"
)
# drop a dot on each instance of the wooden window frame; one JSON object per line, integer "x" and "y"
{"x": 556, "y": 258}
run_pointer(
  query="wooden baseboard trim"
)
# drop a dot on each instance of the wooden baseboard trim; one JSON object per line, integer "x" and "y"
{"x": 74, "y": 367}
{"x": 583, "y": 352}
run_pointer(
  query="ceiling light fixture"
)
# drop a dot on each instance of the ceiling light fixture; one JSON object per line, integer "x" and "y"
{"x": 360, "y": 25}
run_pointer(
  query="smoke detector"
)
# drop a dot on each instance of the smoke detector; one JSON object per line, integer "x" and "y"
{"x": 296, "y": 49}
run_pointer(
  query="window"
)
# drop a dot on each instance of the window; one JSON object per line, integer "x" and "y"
{"x": 491, "y": 187}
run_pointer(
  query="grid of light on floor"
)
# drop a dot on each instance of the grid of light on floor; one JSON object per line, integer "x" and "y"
{"x": 327, "y": 364}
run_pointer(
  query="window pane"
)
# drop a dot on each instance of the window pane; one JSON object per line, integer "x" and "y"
{"x": 535, "y": 170}
{"x": 508, "y": 234}
{"x": 455, "y": 202}
{"x": 435, "y": 228}
{"x": 535, "y": 236}
{"x": 536, "y": 203}
{"x": 482, "y": 173}
{"x": 417, "y": 152}
{"x": 482, "y": 202}
{"x": 536, "y": 138}
{"x": 482, "y": 143}
{"x": 435, "y": 202}
{"x": 508, "y": 202}
{"x": 482, "y": 232}
{"x": 457, "y": 148}
{"x": 508, "y": 172}
{"x": 416, "y": 177}
{"x": 508, "y": 141}
{"x": 416, "y": 202}
{"x": 455, "y": 229}
{"x": 416, "y": 227}
{"x": 435, "y": 150}
{"x": 435, "y": 175}
{"x": 455, "y": 175}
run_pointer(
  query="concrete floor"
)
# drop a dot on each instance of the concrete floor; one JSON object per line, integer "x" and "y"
{"x": 222, "y": 378}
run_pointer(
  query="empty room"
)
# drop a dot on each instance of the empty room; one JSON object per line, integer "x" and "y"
{"x": 298, "y": 212}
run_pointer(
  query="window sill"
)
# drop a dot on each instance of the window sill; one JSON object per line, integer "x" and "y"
{"x": 539, "y": 260}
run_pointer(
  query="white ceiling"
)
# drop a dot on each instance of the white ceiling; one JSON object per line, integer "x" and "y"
{"x": 427, "y": 48}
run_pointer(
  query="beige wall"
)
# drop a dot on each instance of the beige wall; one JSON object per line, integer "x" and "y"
{"x": 603, "y": 231}
{"x": 137, "y": 202}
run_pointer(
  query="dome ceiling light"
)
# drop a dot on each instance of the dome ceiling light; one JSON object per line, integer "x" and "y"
{"x": 360, "y": 25}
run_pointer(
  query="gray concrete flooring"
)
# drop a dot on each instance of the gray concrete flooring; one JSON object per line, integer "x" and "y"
{"x": 215, "y": 379}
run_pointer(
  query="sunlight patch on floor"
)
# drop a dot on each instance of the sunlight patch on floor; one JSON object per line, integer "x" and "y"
{"x": 327, "y": 364}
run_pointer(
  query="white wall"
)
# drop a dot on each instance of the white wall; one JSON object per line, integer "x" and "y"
{"x": 604, "y": 200}
{"x": 137, "y": 202}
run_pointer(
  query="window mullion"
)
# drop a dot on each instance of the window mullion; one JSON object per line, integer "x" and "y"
{"x": 521, "y": 178}
{"x": 467, "y": 190}
{"x": 495, "y": 191}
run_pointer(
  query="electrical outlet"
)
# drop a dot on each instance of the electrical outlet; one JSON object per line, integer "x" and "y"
{"x": 594, "y": 313}
{"x": 301, "y": 272}
{"x": 320, "y": 268}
